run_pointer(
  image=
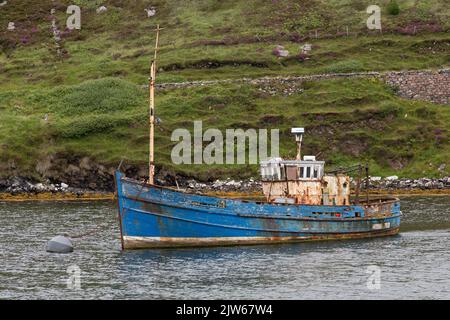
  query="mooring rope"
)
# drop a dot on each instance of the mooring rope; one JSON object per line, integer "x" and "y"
{"x": 100, "y": 228}
{"x": 88, "y": 233}
{"x": 97, "y": 229}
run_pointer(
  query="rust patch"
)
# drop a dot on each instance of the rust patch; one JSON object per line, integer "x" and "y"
{"x": 199, "y": 242}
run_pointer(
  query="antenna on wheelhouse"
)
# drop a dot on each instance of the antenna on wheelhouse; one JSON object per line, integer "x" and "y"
{"x": 152, "y": 78}
{"x": 298, "y": 138}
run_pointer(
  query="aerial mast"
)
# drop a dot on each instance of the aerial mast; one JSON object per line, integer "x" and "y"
{"x": 151, "y": 160}
{"x": 298, "y": 138}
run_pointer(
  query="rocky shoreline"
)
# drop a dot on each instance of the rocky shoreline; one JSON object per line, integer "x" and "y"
{"x": 21, "y": 186}
{"x": 375, "y": 184}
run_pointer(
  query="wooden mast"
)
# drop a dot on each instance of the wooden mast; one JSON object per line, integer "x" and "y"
{"x": 151, "y": 160}
{"x": 367, "y": 183}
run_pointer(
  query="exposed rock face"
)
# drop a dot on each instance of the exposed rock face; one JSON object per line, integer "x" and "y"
{"x": 433, "y": 86}
{"x": 70, "y": 174}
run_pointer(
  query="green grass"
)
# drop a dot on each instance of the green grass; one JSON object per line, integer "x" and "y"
{"x": 346, "y": 121}
{"x": 378, "y": 53}
{"x": 98, "y": 108}
{"x": 119, "y": 43}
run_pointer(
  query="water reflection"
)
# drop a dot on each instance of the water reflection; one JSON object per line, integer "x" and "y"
{"x": 414, "y": 264}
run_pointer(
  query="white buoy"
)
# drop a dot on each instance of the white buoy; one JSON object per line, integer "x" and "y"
{"x": 60, "y": 244}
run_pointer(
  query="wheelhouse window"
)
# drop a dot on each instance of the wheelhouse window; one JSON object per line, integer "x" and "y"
{"x": 292, "y": 170}
{"x": 308, "y": 172}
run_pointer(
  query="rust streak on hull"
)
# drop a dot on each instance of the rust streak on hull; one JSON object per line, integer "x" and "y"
{"x": 165, "y": 242}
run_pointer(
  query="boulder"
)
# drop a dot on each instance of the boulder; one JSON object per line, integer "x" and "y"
{"x": 101, "y": 9}
{"x": 150, "y": 12}
{"x": 279, "y": 51}
{"x": 391, "y": 178}
{"x": 40, "y": 187}
{"x": 60, "y": 244}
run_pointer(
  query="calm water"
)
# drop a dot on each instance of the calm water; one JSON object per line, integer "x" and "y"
{"x": 415, "y": 264}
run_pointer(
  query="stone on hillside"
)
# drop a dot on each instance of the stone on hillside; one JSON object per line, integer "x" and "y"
{"x": 306, "y": 48}
{"x": 3, "y": 3}
{"x": 391, "y": 178}
{"x": 279, "y": 51}
{"x": 150, "y": 12}
{"x": 11, "y": 26}
{"x": 101, "y": 9}
{"x": 191, "y": 184}
{"x": 40, "y": 187}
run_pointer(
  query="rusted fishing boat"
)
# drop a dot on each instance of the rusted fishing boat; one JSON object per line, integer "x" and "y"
{"x": 301, "y": 202}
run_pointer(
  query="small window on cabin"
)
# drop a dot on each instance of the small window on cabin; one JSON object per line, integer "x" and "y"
{"x": 283, "y": 174}
{"x": 316, "y": 172}
{"x": 302, "y": 171}
{"x": 292, "y": 173}
{"x": 308, "y": 172}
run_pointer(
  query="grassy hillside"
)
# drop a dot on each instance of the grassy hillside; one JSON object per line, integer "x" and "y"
{"x": 346, "y": 120}
{"x": 96, "y": 105}
{"x": 218, "y": 39}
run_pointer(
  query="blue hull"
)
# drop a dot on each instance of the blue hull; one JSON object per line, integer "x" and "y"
{"x": 152, "y": 216}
